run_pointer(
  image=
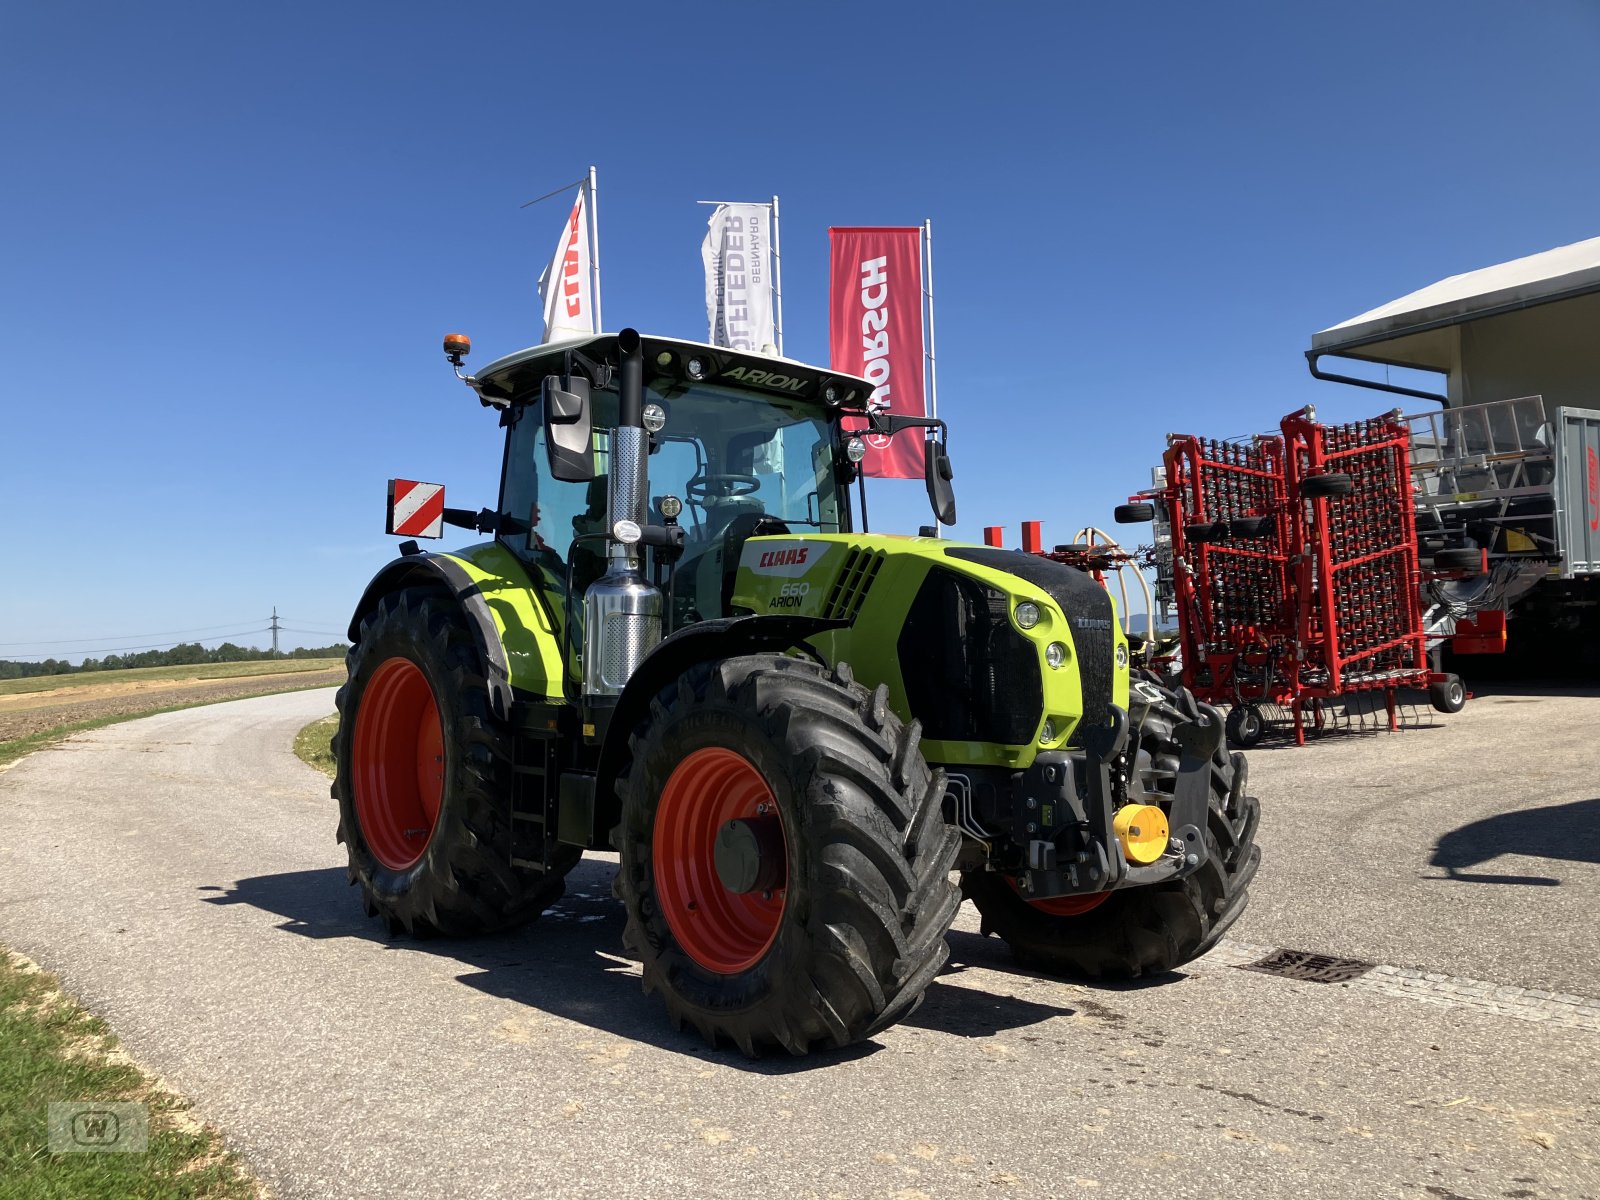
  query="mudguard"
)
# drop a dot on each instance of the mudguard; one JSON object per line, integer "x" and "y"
{"x": 514, "y": 634}
{"x": 724, "y": 638}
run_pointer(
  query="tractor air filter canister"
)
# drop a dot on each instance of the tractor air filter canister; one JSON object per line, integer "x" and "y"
{"x": 622, "y": 624}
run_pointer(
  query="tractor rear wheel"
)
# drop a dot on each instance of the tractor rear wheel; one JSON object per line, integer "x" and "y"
{"x": 1143, "y": 930}
{"x": 785, "y": 858}
{"x": 423, "y": 776}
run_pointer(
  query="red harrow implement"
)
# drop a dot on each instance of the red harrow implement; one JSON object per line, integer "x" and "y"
{"x": 1295, "y": 570}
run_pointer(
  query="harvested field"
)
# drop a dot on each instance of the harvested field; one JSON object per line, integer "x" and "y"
{"x": 121, "y": 693}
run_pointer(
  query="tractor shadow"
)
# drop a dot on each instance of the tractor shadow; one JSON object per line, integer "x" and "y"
{"x": 570, "y": 963}
{"x": 1558, "y": 832}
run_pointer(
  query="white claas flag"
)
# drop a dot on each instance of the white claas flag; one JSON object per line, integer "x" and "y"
{"x": 564, "y": 286}
{"x": 738, "y": 287}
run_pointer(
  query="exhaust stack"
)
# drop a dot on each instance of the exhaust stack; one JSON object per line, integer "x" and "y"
{"x": 622, "y": 611}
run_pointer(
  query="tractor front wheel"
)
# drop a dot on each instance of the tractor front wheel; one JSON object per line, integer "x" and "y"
{"x": 423, "y": 776}
{"x": 785, "y": 859}
{"x": 1142, "y": 930}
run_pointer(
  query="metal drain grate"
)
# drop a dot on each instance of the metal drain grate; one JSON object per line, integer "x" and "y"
{"x": 1309, "y": 967}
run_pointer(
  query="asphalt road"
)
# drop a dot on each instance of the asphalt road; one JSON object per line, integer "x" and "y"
{"x": 180, "y": 873}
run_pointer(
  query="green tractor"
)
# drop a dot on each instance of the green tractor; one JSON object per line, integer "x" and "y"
{"x": 681, "y": 643}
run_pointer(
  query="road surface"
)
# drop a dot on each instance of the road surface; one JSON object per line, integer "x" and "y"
{"x": 180, "y": 874}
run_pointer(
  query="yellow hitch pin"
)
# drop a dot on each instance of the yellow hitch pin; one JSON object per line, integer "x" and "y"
{"x": 1142, "y": 830}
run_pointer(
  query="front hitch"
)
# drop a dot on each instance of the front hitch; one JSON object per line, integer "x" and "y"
{"x": 1078, "y": 852}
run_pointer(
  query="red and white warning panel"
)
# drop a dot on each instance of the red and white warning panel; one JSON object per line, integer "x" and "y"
{"x": 416, "y": 509}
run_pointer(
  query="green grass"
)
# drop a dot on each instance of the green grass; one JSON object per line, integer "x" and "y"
{"x": 50, "y": 1049}
{"x": 271, "y": 666}
{"x": 17, "y": 747}
{"x": 312, "y": 744}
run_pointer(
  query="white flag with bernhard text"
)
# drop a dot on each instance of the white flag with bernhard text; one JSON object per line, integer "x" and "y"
{"x": 564, "y": 286}
{"x": 738, "y": 282}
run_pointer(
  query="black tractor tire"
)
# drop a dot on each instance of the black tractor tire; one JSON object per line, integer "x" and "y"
{"x": 1250, "y": 528}
{"x": 1245, "y": 726}
{"x": 462, "y": 881}
{"x": 865, "y": 859}
{"x": 1458, "y": 559}
{"x": 1145, "y": 930}
{"x": 1448, "y": 695}
{"x": 1206, "y": 531}
{"x": 1332, "y": 484}
{"x": 1134, "y": 514}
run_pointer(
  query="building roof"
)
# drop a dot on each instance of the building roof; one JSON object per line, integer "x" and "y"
{"x": 1413, "y": 330}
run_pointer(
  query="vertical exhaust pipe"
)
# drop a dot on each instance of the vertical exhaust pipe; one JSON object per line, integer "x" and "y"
{"x": 622, "y": 611}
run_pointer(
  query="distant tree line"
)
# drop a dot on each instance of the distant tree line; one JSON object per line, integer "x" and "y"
{"x": 185, "y": 655}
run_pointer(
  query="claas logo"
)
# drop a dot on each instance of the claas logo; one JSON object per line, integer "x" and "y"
{"x": 784, "y": 558}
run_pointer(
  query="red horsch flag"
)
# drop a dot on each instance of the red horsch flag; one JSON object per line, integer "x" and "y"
{"x": 875, "y": 331}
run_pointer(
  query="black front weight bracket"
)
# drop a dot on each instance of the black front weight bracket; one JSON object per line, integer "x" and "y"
{"x": 1095, "y": 865}
{"x": 1191, "y": 800}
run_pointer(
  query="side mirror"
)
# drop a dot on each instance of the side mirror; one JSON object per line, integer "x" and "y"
{"x": 568, "y": 437}
{"x": 938, "y": 475}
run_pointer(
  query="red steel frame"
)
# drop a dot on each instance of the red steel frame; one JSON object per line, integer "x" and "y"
{"x": 1236, "y": 618}
{"x": 1357, "y": 565}
{"x": 1323, "y": 601}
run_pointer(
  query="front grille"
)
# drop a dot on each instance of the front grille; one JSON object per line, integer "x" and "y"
{"x": 850, "y": 589}
{"x": 969, "y": 675}
{"x": 1088, "y": 609}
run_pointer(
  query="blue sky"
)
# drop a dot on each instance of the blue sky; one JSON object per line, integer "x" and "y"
{"x": 233, "y": 237}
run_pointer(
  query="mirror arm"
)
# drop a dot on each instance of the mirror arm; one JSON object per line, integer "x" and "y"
{"x": 599, "y": 373}
{"x": 890, "y": 424}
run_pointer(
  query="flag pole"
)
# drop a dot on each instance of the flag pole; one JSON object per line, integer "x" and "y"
{"x": 927, "y": 275}
{"x": 777, "y": 281}
{"x": 594, "y": 246}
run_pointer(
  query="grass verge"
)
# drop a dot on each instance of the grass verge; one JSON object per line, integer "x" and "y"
{"x": 313, "y": 745}
{"x": 50, "y": 1049}
{"x": 18, "y": 747}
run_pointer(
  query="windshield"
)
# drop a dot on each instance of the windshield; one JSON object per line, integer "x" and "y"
{"x": 732, "y": 457}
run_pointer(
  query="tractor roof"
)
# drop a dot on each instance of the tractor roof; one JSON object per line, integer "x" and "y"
{"x": 1416, "y": 330}
{"x": 519, "y": 374}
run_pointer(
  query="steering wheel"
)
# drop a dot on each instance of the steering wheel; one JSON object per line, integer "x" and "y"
{"x": 721, "y": 487}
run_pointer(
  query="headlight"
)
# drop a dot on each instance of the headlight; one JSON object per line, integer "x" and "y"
{"x": 1055, "y": 654}
{"x": 1122, "y": 657}
{"x": 855, "y": 449}
{"x": 655, "y": 418}
{"x": 670, "y": 507}
{"x": 695, "y": 368}
{"x": 1047, "y": 734}
{"x": 1027, "y": 614}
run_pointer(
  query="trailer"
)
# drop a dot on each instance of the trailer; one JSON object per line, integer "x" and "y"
{"x": 1508, "y": 460}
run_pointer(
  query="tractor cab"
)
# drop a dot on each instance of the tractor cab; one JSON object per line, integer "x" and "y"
{"x": 735, "y": 446}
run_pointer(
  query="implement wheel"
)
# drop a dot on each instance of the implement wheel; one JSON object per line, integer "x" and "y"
{"x": 1143, "y": 930}
{"x": 424, "y": 770}
{"x": 1245, "y": 726}
{"x": 785, "y": 859}
{"x": 1448, "y": 695}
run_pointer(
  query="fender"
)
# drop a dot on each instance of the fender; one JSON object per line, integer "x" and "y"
{"x": 437, "y": 569}
{"x": 722, "y": 638}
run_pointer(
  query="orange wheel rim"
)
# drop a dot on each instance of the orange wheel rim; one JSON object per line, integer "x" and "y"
{"x": 723, "y": 931}
{"x": 397, "y": 763}
{"x": 1063, "y": 906}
